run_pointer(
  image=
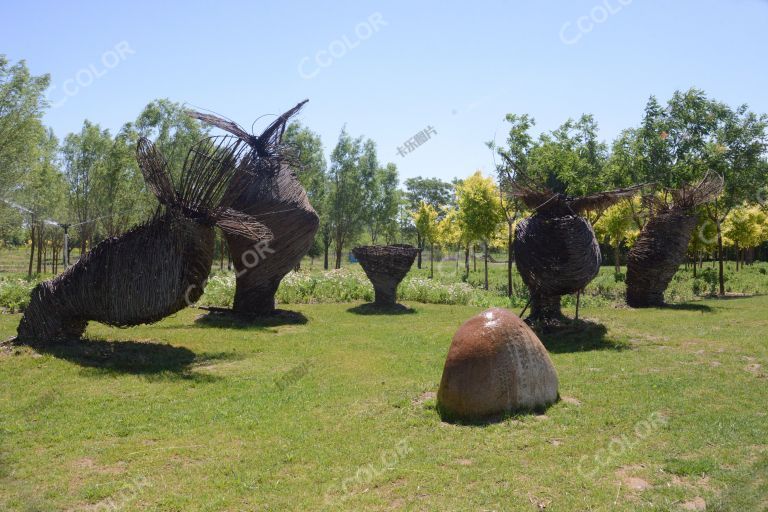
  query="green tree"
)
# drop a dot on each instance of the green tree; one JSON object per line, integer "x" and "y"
{"x": 43, "y": 194}
{"x": 735, "y": 151}
{"x": 85, "y": 154}
{"x": 22, "y": 103}
{"x": 383, "y": 202}
{"x": 120, "y": 196}
{"x": 432, "y": 191}
{"x": 171, "y": 129}
{"x": 306, "y": 153}
{"x": 514, "y": 163}
{"x": 347, "y": 191}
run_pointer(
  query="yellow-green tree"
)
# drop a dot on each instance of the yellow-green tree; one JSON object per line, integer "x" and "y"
{"x": 745, "y": 227}
{"x": 425, "y": 219}
{"x": 479, "y": 213}
{"x": 614, "y": 227}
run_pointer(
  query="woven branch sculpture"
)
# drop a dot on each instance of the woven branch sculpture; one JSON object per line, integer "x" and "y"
{"x": 275, "y": 197}
{"x": 156, "y": 268}
{"x": 556, "y": 251}
{"x": 385, "y": 266}
{"x": 663, "y": 242}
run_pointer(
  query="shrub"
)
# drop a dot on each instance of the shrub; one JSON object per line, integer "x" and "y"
{"x": 14, "y": 294}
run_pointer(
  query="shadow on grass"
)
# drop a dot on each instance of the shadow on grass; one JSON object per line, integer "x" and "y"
{"x": 577, "y": 336}
{"x": 130, "y": 357}
{"x": 687, "y": 306}
{"x": 371, "y": 308}
{"x": 446, "y": 417}
{"x": 228, "y": 319}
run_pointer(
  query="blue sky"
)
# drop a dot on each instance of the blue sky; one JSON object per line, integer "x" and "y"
{"x": 390, "y": 69}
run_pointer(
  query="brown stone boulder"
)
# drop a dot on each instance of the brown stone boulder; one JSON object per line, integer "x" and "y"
{"x": 496, "y": 365}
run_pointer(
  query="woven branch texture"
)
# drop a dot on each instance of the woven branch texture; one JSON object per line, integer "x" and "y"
{"x": 663, "y": 242}
{"x": 656, "y": 256}
{"x": 556, "y": 255}
{"x": 275, "y": 197}
{"x": 386, "y": 266}
{"x": 156, "y": 268}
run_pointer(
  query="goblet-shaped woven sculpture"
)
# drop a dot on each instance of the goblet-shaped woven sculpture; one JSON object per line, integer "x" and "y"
{"x": 385, "y": 266}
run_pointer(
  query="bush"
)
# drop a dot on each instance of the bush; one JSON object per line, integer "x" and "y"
{"x": 14, "y": 294}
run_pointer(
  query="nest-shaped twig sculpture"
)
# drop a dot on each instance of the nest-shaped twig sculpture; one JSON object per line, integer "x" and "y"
{"x": 277, "y": 199}
{"x": 556, "y": 251}
{"x": 156, "y": 268}
{"x": 386, "y": 266}
{"x": 662, "y": 244}
{"x": 556, "y": 255}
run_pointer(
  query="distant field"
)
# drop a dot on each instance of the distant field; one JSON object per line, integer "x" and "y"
{"x": 16, "y": 260}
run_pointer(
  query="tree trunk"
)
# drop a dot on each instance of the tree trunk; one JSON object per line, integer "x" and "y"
{"x": 339, "y": 250}
{"x": 40, "y": 248}
{"x": 431, "y": 260}
{"x": 721, "y": 273}
{"x": 617, "y": 258}
{"x": 474, "y": 259}
{"x": 32, "y": 251}
{"x": 510, "y": 241}
{"x": 326, "y": 250}
{"x": 419, "y": 245}
{"x": 486, "y": 265}
{"x": 466, "y": 261}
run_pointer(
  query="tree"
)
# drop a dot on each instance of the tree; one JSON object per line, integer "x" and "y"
{"x": 745, "y": 227}
{"x": 614, "y": 227}
{"x": 735, "y": 152}
{"x": 479, "y": 212}
{"x": 382, "y": 203}
{"x": 674, "y": 148}
{"x": 449, "y": 232}
{"x": 119, "y": 192}
{"x": 514, "y": 162}
{"x": 22, "y": 103}
{"x": 43, "y": 194}
{"x": 170, "y": 127}
{"x": 432, "y": 191}
{"x": 85, "y": 154}
{"x": 347, "y": 191}
{"x": 425, "y": 219}
{"x": 308, "y": 159}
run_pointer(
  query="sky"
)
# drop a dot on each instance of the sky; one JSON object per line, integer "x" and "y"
{"x": 389, "y": 70}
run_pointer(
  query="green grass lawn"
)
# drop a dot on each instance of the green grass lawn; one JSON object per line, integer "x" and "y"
{"x": 660, "y": 407}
